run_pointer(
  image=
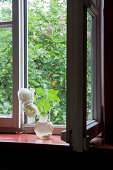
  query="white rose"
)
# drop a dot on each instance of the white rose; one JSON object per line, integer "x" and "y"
{"x": 24, "y": 95}
{"x": 31, "y": 110}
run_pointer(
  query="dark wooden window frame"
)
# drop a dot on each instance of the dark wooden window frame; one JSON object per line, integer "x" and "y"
{"x": 96, "y": 126}
{"x": 78, "y": 133}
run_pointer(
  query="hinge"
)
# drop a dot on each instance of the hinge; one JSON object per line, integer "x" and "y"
{"x": 87, "y": 3}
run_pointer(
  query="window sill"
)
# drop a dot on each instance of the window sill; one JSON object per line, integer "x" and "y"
{"x": 31, "y": 141}
{"x": 98, "y": 145}
{"x": 26, "y": 150}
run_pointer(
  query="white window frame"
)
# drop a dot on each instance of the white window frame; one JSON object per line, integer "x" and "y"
{"x": 13, "y": 123}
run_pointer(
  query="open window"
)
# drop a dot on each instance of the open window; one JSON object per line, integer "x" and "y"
{"x": 84, "y": 57}
{"x": 94, "y": 113}
{"x": 62, "y": 53}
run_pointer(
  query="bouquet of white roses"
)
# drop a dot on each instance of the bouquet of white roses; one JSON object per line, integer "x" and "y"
{"x": 26, "y": 96}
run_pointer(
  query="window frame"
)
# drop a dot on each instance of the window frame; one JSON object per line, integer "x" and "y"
{"x": 12, "y": 123}
{"x": 78, "y": 133}
{"x": 95, "y": 126}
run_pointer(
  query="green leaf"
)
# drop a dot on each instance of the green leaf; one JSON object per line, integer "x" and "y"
{"x": 36, "y": 118}
{"x": 44, "y": 105}
{"x": 35, "y": 83}
{"x": 53, "y": 97}
{"x": 6, "y": 104}
{"x": 40, "y": 91}
{"x": 52, "y": 91}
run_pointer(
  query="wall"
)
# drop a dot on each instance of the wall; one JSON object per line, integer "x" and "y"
{"x": 108, "y": 70}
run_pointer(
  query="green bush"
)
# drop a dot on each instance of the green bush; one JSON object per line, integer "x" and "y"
{"x": 5, "y": 71}
{"x": 6, "y": 83}
{"x": 47, "y": 52}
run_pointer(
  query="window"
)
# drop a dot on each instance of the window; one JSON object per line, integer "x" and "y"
{"x": 10, "y": 64}
{"x": 92, "y": 61}
{"x": 79, "y": 130}
{"x": 81, "y": 60}
{"x": 94, "y": 46}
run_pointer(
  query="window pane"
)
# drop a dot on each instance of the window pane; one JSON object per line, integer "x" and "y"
{"x": 5, "y": 10}
{"x": 5, "y": 71}
{"x": 47, "y": 54}
{"x": 89, "y": 66}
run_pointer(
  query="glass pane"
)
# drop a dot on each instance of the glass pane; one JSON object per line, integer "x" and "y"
{"x": 5, "y": 71}
{"x": 89, "y": 67}
{"x": 47, "y": 55}
{"x": 5, "y": 10}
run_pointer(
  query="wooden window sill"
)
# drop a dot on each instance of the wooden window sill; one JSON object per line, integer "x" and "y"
{"x": 21, "y": 151}
{"x": 98, "y": 145}
{"x": 33, "y": 142}
{"x": 31, "y": 138}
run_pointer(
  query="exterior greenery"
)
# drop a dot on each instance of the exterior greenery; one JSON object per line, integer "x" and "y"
{"x": 46, "y": 57}
{"x": 89, "y": 56}
{"x": 47, "y": 53}
{"x": 5, "y": 60}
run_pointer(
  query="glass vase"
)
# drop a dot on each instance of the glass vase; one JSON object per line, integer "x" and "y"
{"x": 43, "y": 128}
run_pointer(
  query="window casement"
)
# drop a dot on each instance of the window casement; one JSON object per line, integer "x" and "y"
{"x": 79, "y": 131}
{"x": 12, "y": 122}
{"x": 96, "y": 11}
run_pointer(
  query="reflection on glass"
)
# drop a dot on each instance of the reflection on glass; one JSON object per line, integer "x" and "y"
{"x": 5, "y": 10}
{"x": 5, "y": 71}
{"x": 89, "y": 57}
{"x": 47, "y": 52}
